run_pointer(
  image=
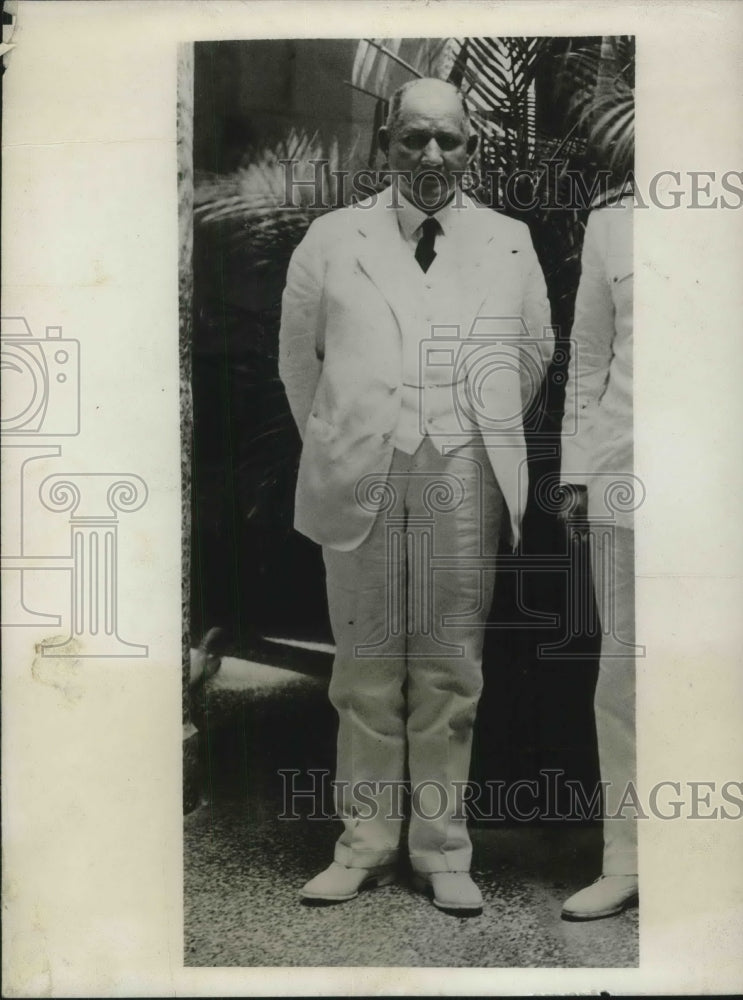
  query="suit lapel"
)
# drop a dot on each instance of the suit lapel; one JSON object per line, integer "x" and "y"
{"x": 385, "y": 258}
{"x": 484, "y": 259}
{"x": 480, "y": 257}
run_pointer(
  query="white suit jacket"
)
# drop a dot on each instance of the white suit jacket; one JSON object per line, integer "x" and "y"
{"x": 597, "y": 426}
{"x": 347, "y": 295}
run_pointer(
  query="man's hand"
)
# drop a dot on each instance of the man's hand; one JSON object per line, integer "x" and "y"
{"x": 573, "y": 512}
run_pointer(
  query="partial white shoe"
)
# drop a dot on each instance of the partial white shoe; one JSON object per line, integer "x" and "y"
{"x": 338, "y": 884}
{"x": 607, "y": 896}
{"x": 452, "y": 892}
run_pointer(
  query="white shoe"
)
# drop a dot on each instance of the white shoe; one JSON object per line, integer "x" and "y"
{"x": 452, "y": 892}
{"x": 337, "y": 883}
{"x": 607, "y": 896}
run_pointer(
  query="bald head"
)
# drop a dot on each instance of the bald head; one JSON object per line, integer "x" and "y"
{"x": 428, "y": 141}
{"x": 426, "y": 94}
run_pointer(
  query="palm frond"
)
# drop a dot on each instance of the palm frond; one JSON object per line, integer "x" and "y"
{"x": 263, "y": 185}
{"x": 381, "y": 65}
{"x": 602, "y": 85}
{"x": 611, "y": 122}
{"x": 264, "y": 210}
{"x": 498, "y": 76}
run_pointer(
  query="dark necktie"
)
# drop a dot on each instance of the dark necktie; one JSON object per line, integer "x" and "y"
{"x": 424, "y": 252}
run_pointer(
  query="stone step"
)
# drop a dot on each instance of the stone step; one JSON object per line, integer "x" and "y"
{"x": 241, "y": 682}
{"x": 286, "y": 677}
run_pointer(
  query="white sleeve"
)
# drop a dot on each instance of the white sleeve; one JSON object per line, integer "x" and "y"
{"x": 300, "y": 334}
{"x": 590, "y": 354}
{"x": 541, "y": 339}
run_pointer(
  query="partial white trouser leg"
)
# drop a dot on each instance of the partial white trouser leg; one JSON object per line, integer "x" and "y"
{"x": 614, "y": 702}
{"x": 366, "y": 690}
{"x": 444, "y": 685}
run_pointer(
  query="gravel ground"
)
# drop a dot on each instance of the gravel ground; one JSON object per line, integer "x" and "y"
{"x": 244, "y": 868}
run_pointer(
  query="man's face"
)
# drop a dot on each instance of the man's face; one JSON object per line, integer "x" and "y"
{"x": 429, "y": 143}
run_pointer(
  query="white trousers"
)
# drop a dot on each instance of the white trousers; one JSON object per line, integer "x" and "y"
{"x": 408, "y": 609}
{"x": 614, "y": 702}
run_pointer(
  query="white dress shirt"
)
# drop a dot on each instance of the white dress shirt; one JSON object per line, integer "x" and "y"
{"x": 434, "y": 302}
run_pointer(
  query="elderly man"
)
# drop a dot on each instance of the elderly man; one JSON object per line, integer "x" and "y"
{"x": 597, "y": 461}
{"x": 415, "y": 331}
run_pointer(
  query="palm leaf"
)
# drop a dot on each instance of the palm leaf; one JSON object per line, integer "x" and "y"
{"x": 260, "y": 218}
{"x": 381, "y": 65}
{"x": 602, "y": 83}
{"x": 499, "y": 74}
